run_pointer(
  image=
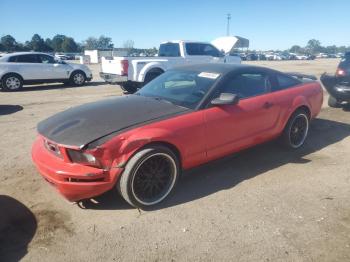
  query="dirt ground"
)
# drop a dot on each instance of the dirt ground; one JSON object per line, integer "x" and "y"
{"x": 264, "y": 204}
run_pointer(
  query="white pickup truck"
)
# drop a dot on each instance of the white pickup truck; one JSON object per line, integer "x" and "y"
{"x": 131, "y": 73}
{"x": 21, "y": 68}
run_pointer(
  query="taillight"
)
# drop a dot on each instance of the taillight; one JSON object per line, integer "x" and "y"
{"x": 340, "y": 72}
{"x": 125, "y": 67}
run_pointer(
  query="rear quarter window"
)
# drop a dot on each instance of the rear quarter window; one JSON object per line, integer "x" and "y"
{"x": 169, "y": 49}
{"x": 12, "y": 59}
{"x": 284, "y": 82}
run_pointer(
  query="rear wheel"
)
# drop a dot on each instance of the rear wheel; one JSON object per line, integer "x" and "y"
{"x": 78, "y": 78}
{"x": 296, "y": 130}
{"x": 152, "y": 75}
{"x": 333, "y": 102}
{"x": 149, "y": 176}
{"x": 129, "y": 87}
{"x": 12, "y": 82}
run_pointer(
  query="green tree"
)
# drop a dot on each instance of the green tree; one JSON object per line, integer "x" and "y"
{"x": 314, "y": 46}
{"x": 69, "y": 45}
{"x": 38, "y": 44}
{"x": 296, "y": 49}
{"x": 105, "y": 42}
{"x": 9, "y": 43}
{"x": 91, "y": 43}
{"x": 56, "y": 43}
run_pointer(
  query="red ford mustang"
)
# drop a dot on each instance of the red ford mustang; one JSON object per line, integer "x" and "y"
{"x": 186, "y": 117}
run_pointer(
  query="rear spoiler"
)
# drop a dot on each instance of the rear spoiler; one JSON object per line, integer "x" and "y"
{"x": 301, "y": 76}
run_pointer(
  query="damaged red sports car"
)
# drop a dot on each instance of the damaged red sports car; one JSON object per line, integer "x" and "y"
{"x": 186, "y": 117}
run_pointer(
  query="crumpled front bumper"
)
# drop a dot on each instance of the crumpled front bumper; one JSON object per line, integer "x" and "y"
{"x": 73, "y": 181}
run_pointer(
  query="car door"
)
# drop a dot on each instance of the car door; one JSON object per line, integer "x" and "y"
{"x": 230, "y": 128}
{"x": 196, "y": 53}
{"x": 52, "y": 68}
{"x": 28, "y": 66}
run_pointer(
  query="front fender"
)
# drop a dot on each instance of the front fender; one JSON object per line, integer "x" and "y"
{"x": 134, "y": 142}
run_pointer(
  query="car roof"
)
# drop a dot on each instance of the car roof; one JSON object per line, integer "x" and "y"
{"x": 24, "y": 53}
{"x": 221, "y": 68}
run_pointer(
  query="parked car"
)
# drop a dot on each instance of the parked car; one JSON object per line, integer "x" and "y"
{"x": 132, "y": 73}
{"x": 21, "y": 68}
{"x": 186, "y": 117}
{"x": 252, "y": 57}
{"x": 61, "y": 56}
{"x": 338, "y": 85}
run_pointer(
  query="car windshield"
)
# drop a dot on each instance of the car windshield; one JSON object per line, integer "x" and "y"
{"x": 183, "y": 88}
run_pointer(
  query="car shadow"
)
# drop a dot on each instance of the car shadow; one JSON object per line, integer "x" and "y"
{"x": 30, "y": 88}
{"x": 9, "y": 109}
{"x": 17, "y": 228}
{"x": 227, "y": 172}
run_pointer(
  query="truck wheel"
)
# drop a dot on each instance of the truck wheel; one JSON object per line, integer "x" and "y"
{"x": 149, "y": 176}
{"x": 333, "y": 102}
{"x": 152, "y": 75}
{"x": 11, "y": 82}
{"x": 128, "y": 87}
{"x": 78, "y": 78}
{"x": 296, "y": 130}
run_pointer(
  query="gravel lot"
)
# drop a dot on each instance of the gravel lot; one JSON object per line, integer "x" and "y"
{"x": 264, "y": 204}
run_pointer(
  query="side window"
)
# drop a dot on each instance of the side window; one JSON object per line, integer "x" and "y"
{"x": 211, "y": 50}
{"x": 284, "y": 82}
{"x": 170, "y": 49}
{"x": 193, "y": 49}
{"x": 13, "y": 59}
{"x": 247, "y": 84}
{"x": 202, "y": 49}
{"x": 46, "y": 59}
{"x": 27, "y": 59}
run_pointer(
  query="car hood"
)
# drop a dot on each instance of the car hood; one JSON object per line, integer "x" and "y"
{"x": 84, "y": 124}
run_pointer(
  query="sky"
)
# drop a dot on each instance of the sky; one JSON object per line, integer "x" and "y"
{"x": 268, "y": 24}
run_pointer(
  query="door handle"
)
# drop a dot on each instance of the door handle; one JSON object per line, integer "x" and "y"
{"x": 267, "y": 105}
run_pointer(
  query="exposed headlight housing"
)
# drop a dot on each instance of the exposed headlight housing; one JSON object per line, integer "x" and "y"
{"x": 83, "y": 158}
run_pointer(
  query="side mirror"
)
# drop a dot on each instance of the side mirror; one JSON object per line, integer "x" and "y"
{"x": 226, "y": 99}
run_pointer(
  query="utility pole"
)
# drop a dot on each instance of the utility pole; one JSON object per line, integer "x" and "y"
{"x": 228, "y": 24}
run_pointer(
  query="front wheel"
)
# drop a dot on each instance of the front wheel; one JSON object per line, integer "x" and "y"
{"x": 128, "y": 87}
{"x": 78, "y": 79}
{"x": 296, "y": 130}
{"x": 149, "y": 177}
{"x": 333, "y": 102}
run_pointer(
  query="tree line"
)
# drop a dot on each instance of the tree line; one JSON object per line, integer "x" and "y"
{"x": 314, "y": 47}
{"x": 59, "y": 43}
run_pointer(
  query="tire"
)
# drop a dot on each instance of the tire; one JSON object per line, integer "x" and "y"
{"x": 139, "y": 180}
{"x": 78, "y": 78}
{"x": 152, "y": 75}
{"x": 296, "y": 130}
{"x": 128, "y": 87}
{"x": 12, "y": 82}
{"x": 333, "y": 102}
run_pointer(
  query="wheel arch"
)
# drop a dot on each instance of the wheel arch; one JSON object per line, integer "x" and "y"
{"x": 151, "y": 67}
{"x": 129, "y": 149}
{"x": 11, "y": 73}
{"x": 76, "y": 71}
